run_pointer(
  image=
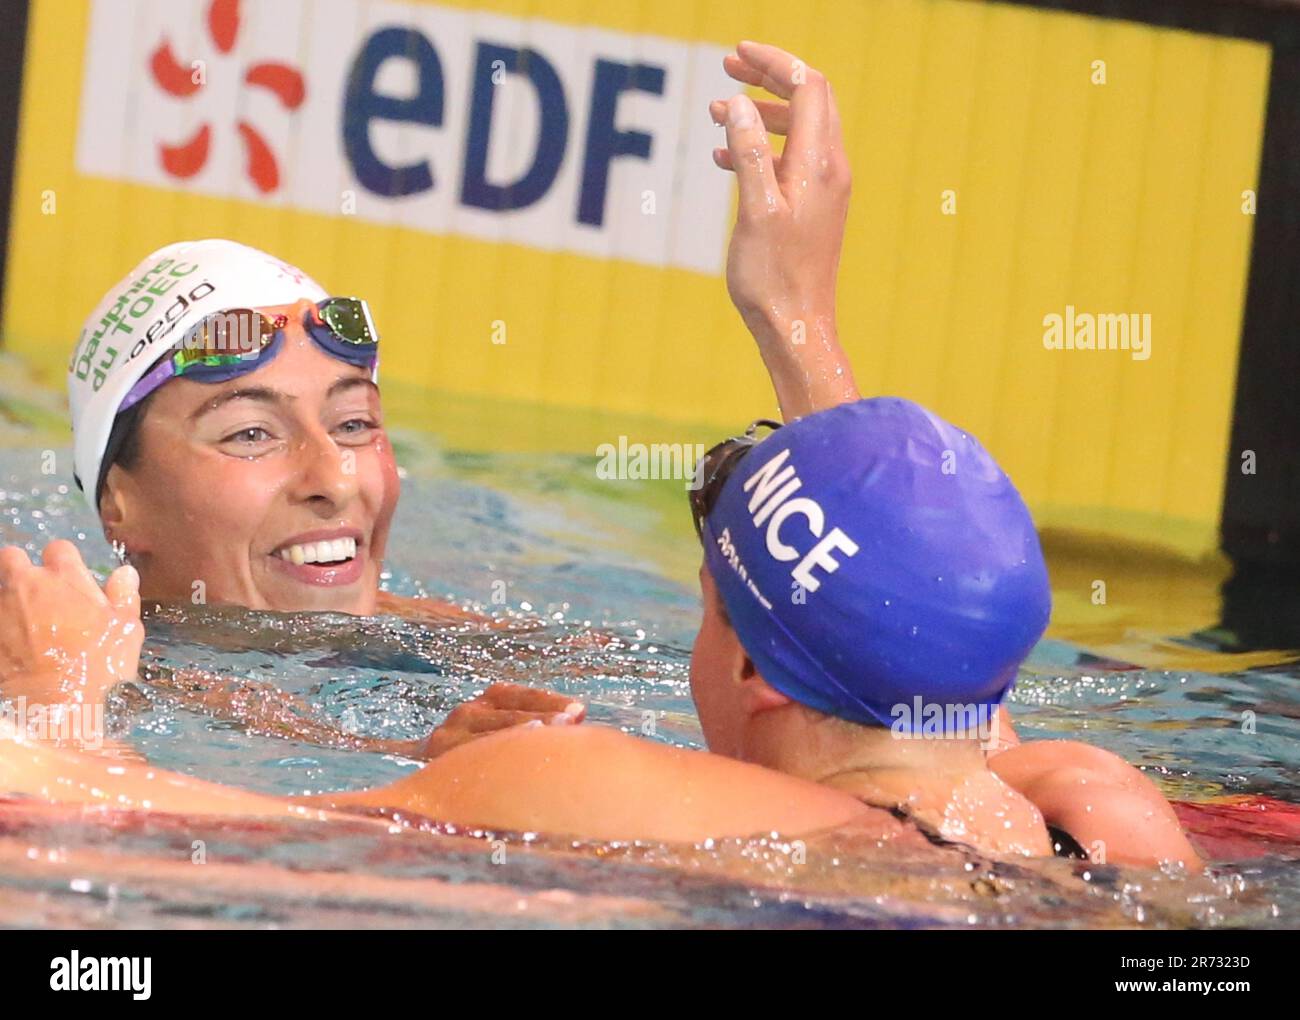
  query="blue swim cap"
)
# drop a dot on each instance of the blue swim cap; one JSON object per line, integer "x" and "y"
{"x": 873, "y": 554}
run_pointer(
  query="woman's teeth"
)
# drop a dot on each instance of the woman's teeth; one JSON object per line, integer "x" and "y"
{"x": 337, "y": 551}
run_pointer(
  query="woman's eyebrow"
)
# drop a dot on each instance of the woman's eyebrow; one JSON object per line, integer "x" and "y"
{"x": 262, "y": 393}
{"x": 269, "y": 396}
{"x": 348, "y": 381}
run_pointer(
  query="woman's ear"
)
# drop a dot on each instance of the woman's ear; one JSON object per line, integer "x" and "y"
{"x": 756, "y": 694}
{"x": 112, "y": 504}
{"x": 116, "y": 510}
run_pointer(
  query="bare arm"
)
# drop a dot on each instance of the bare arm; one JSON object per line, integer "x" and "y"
{"x": 785, "y": 249}
{"x": 265, "y": 710}
{"x": 29, "y": 767}
{"x": 261, "y": 709}
{"x": 589, "y": 782}
{"x": 597, "y": 783}
{"x": 65, "y": 643}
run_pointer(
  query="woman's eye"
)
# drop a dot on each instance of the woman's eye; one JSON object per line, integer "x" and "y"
{"x": 250, "y": 435}
{"x": 355, "y": 426}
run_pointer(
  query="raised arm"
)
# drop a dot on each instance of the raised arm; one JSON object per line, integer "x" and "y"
{"x": 785, "y": 249}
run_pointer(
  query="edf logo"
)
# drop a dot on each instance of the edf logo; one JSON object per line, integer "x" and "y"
{"x": 504, "y": 129}
{"x": 603, "y": 141}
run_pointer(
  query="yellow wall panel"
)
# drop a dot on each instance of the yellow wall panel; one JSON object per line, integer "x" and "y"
{"x": 1114, "y": 198}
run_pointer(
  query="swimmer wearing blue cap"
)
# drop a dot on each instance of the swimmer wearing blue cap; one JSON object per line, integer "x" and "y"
{"x": 872, "y": 579}
{"x": 865, "y": 563}
{"x": 871, "y": 583}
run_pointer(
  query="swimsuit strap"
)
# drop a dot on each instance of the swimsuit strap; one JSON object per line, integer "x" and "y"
{"x": 905, "y": 815}
{"x": 1065, "y": 845}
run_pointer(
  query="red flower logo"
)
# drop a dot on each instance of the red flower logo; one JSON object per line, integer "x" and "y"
{"x": 176, "y": 79}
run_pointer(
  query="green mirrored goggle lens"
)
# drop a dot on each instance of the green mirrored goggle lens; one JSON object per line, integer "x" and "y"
{"x": 349, "y": 320}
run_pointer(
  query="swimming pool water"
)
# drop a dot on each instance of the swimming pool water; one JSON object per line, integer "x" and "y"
{"x": 569, "y": 556}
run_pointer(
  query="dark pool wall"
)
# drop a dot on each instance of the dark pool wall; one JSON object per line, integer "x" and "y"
{"x": 13, "y": 37}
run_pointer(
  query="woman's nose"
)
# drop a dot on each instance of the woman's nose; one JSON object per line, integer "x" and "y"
{"x": 326, "y": 473}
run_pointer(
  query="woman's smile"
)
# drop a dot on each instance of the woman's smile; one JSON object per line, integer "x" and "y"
{"x": 329, "y": 557}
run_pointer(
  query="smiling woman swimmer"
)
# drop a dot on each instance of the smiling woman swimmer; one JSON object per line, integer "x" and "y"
{"x": 228, "y": 430}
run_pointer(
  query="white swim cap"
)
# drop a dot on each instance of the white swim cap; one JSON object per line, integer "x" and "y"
{"x": 162, "y": 297}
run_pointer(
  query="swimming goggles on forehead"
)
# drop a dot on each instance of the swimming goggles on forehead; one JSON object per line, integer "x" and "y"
{"x": 716, "y": 466}
{"x": 232, "y": 342}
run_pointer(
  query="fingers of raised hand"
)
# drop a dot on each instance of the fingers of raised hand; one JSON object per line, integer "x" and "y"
{"x": 770, "y": 67}
{"x": 834, "y": 113}
{"x": 123, "y": 590}
{"x": 750, "y": 156}
{"x": 767, "y": 67}
{"x": 775, "y": 115}
{"x": 810, "y": 121}
{"x": 13, "y": 562}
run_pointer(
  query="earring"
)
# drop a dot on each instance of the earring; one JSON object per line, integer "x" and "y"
{"x": 119, "y": 550}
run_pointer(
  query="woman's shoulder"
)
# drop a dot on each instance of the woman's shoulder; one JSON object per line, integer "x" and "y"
{"x": 1037, "y": 759}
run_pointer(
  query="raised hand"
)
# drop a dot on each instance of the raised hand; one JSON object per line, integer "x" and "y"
{"x": 64, "y": 640}
{"x": 785, "y": 249}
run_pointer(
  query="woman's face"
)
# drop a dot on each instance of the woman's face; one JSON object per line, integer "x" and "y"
{"x": 273, "y": 490}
